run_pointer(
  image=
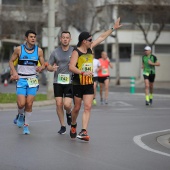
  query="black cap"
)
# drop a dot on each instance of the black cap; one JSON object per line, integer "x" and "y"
{"x": 83, "y": 36}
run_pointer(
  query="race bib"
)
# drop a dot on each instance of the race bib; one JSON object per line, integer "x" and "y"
{"x": 87, "y": 67}
{"x": 63, "y": 79}
{"x": 105, "y": 71}
{"x": 32, "y": 82}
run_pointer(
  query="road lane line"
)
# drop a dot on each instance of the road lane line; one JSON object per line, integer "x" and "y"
{"x": 138, "y": 141}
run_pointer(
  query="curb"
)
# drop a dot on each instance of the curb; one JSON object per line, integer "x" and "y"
{"x": 36, "y": 104}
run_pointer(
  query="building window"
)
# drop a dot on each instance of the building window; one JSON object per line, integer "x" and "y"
{"x": 100, "y": 48}
{"x": 139, "y": 49}
{"x": 23, "y": 2}
{"x": 11, "y": 2}
{"x": 125, "y": 52}
{"x": 164, "y": 49}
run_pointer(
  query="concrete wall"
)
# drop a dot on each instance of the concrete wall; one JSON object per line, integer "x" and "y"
{"x": 128, "y": 69}
{"x": 163, "y": 72}
{"x": 133, "y": 68}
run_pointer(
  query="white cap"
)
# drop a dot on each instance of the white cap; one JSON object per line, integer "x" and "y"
{"x": 147, "y": 48}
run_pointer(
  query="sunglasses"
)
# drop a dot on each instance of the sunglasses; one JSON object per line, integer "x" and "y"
{"x": 90, "y": 40}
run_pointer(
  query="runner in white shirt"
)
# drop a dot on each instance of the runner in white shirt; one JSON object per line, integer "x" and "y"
{"x": 96, "y": 66}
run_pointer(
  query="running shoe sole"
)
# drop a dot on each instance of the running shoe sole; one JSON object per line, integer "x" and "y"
{"x": 62, "y": 133}
{"x": 147, "y": 103}
{"x": 85, "y": 138}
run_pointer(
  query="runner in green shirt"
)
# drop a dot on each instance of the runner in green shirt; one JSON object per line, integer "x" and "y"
{"x": 149, "y": 61}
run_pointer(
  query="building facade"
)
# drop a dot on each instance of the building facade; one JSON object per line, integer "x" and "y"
{"x": 125, "y": 50}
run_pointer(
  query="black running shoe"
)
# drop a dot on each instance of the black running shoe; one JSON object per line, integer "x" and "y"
{"x": 62, "y": 131}
{"x": 68, "y": 115}
{"x": 151, "y": 101}
{"x": 83, "y": 135}
{"x": 73, "y": 132}
{"x": 147, "y": 103}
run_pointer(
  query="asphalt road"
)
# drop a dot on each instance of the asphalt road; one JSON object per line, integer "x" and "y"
{"x": 123, "y": 135}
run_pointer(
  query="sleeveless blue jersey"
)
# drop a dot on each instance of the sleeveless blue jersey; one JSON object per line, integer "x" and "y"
{"x": 27, "y": 62}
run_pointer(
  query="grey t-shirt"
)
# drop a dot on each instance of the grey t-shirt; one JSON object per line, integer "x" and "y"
{"x": 62, "y": 59}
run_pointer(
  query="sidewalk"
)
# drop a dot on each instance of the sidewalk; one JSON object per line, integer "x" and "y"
{"x": 140, "y": 84}
{"x": 159, "y": 87}
{"x": 36, "y": 104}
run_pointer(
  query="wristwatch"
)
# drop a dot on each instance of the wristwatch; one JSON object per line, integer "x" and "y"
{"x": 112, "y": 29}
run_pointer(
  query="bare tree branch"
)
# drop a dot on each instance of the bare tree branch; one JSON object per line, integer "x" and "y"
{"x": 158, "y": 33}
{"x": 154, "y": 12}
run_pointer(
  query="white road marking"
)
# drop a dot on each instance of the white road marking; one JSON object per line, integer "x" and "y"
{"x": 138, "y": 141}
{"x": 120, "y": 103}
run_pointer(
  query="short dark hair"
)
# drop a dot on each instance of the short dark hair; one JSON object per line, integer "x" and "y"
{"x": 65, "y": 32}
{"x": 30, "y": 32}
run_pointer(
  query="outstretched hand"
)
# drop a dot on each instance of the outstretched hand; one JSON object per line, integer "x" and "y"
{"x": 14, "y": 76}
{"x": 55, "y": 67}
{"x": 117, "y": 24}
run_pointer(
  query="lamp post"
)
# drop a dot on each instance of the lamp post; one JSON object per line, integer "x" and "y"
{"x": 51, "y": 39}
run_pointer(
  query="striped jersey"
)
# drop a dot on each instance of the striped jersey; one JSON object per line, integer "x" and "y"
{"x": 27, "y": 63}
{"x": 84, "y": 63}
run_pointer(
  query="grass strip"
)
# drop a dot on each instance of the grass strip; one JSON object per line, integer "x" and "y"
{"x": 12, "y": 97}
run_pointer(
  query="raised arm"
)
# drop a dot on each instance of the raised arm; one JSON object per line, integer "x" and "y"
{"x": 104, "y": 35}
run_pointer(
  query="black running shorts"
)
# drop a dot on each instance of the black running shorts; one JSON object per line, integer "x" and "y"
{"x": 102, "y": 79}
{"x": 151, "y": 77}
{"x": 80, "y": 90}
{"x": 63, "y": 90}
{"x": 95, "y": 79}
